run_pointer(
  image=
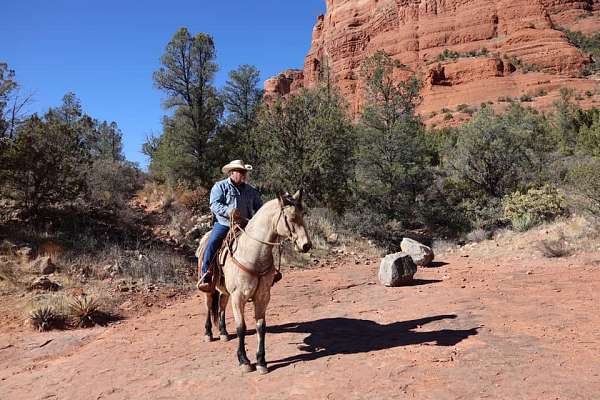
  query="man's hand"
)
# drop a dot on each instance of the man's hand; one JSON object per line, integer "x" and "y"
{"x": 235, "y": 215}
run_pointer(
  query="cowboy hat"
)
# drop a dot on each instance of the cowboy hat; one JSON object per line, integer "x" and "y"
{"x": 236, "y": 164}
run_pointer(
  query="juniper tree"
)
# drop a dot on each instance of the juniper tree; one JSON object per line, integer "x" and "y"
{"x": 186, "y": 76}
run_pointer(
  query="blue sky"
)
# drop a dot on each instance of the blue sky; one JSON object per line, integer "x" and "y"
{"x": 106, "y": 51}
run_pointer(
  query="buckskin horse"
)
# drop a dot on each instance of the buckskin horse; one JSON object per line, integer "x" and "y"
{"x": 249, "y": 269}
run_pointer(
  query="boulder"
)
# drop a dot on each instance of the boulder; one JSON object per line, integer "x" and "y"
{"x": 44, "y": 283}
{"x": 396, "y": 269}
{"x": 421, "y": 254}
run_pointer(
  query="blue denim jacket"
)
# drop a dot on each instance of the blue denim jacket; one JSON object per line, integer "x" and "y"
{"x": 225, "y": 195}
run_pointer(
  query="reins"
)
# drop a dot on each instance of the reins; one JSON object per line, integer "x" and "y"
{"x": 235, "y": 227}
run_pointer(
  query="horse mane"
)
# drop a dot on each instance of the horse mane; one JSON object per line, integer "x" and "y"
{"x": 269, "y": 207}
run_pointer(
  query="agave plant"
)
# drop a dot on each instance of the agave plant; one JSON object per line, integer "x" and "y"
{"x": 84, "y": 310}
{"x": 44, "y": 318}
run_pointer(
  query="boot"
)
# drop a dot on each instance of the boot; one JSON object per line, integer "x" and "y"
{"x": 205, "y": 282}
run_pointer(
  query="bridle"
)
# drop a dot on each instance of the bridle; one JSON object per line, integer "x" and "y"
{"x": 235, "y": 226}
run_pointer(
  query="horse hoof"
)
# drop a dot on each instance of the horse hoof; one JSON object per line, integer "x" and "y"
{"x": 262, "y": 369}
{"x": 208, "y": 338}
{"x": 246, "y": 368}
{"x": 224, "y": 338}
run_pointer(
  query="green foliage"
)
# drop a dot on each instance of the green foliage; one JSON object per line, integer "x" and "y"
{"x": 394, "y": 158}
{"x": 588, "y": 44}
{"x": 185, "y": 151}
{"x": 588, "y": 138}
{"x": 454, "y": 55}
{"x": 524, "y": 210}
{"x": 107, "y": 142}
{"x": 45, "y": 162}
{"x": 242, "y": 97}
{"x": 526, "y": 98}
{"x": 495, "y": 154}
{"x": 584, "y": 182}
{"x": 7, "y": 87}
{"x": 306, "y": 141}
{"x": 567, "y": 120}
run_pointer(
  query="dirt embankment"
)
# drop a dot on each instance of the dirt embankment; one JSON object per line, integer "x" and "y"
{"x": 491, "y": 321}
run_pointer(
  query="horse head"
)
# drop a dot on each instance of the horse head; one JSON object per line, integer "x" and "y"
{"x": 290, "y": 224}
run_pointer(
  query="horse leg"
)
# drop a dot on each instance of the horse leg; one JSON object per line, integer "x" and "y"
{"x": 261, "y": 301}
{"x": 223, "y": 335}
{"x": 208, "y": 324}
{"x": 237, "y": 304}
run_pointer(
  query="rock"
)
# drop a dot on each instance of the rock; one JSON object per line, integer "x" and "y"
{"x": 396, "y": 269}
{"x": 44, "y": 283}
{"x": 421, "y": 254}
{"x": 333, "y": 238}
{"x": 518, "y": 33}
{"x": 42, "y": 265}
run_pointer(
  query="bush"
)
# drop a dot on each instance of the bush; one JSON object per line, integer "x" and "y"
{"x": 525, "y": 210}
{"x": 584, "y": 182}
{"x": 111, "y": 183}
{"x": 45, "y": 318}
{"x": 497, "y": 154}
{"x": 196, "y": 200}
{"x": 526, "y": 98}
{"x": 556, "y": 248}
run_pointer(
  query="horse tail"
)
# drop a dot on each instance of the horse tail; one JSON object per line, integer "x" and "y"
{"x": 214, "y": 307}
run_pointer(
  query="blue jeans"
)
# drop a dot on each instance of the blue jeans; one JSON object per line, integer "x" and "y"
{"x": 214, "y": 244}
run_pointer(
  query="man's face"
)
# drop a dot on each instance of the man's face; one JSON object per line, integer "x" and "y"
{"x": 238, "y": 176}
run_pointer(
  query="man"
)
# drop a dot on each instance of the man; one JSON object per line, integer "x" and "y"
{"x": 230, "y": 197}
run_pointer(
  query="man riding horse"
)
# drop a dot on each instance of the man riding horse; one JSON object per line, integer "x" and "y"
{"x": 230, "y": 199}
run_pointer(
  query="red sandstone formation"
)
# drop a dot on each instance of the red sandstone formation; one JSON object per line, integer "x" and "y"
{"x": 525, "y": 51}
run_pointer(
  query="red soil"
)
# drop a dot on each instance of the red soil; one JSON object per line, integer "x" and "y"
{"x": 493, "y": 322}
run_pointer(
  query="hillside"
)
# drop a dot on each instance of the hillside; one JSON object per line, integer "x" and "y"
{"x": 466, "y": 52}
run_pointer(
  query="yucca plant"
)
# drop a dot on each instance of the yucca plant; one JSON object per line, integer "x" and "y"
{"x": 84, "y": 310}
{"x": 44, "y": 318}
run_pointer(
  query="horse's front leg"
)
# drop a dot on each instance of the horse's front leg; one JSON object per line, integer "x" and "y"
{"x": 238, "y": 302}
{"x": 261, "y": 301}
{"x": 223, "y": 335}
{"x": 208, "y": 324}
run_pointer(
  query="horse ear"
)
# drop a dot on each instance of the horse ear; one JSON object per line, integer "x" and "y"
{"x": 284, "y": 199}
{"x": 298, "y": 196}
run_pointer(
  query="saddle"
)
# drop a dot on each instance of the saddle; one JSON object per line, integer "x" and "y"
{"x": 215, "y": 265}
{"x": 228, "y": 248}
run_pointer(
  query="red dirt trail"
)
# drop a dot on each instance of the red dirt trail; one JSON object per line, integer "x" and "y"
{"x": 509, "y": 326}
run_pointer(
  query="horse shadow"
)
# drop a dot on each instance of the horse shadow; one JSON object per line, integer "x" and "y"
{"x": 333, "y": 336}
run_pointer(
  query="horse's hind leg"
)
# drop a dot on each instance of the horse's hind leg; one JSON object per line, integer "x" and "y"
{"x": 238, "y": 301}
{"x": 223, "y": 335}
{"x": 261, "y": 301}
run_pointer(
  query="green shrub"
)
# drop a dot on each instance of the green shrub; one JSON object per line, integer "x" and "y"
{"x": 584, "y": 181}
{"x": 448, "y": 117}
{"x": 526, "y": 98}
{"x": 524, "y": 222}
{"x": 525, "y": 210}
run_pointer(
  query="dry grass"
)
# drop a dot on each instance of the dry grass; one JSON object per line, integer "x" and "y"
{"x": 478, "y": 235}
{"x": 556, "y": 248}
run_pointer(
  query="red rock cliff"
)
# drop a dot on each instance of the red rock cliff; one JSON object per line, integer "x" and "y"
{"x": 520, "y": 36}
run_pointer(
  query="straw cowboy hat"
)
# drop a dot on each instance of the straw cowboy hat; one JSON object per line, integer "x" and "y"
{"x": 236, "y": 164}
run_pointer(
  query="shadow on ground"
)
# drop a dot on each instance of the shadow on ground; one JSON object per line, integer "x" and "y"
{"x": 332, "y": 336}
